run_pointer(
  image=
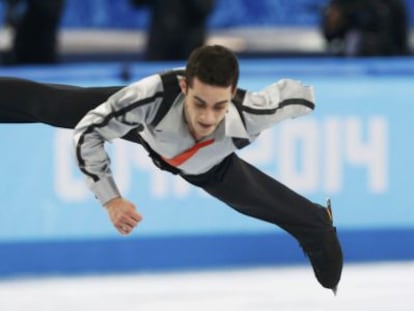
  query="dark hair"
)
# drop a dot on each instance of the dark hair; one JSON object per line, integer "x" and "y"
{"x": 213, "y": 65}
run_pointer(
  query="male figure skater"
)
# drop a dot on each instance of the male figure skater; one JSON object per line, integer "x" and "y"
{"x": 191, "y": 122}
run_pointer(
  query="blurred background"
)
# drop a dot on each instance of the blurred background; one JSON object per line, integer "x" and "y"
{"x": 73, "y": 30}
{"x": 355, "y": 148}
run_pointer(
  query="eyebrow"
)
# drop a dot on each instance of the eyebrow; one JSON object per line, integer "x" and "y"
{"x": 204, "y": 102}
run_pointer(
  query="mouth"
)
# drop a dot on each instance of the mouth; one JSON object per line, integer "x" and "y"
{"x": 205, "y": 126}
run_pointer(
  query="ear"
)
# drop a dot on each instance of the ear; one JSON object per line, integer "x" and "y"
{"x": 183, "y": 85}
{"x": 234, "y": 92}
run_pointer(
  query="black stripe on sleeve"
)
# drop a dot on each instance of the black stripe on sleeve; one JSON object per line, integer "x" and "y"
{"x": 285, "y": 103}
{"x": 103, "y": 123}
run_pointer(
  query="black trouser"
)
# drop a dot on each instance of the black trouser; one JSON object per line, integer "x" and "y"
{"x": 251, "y": 192}
{"x": 233, "y": 181}
{"x": 24, "y": 101}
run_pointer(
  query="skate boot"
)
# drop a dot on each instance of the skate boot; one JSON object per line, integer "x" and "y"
{"x": 324, "y": 251}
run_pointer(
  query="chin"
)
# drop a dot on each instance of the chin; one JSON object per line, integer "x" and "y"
{"x": 207, "y": 132}
{"x": 203, "y": 134}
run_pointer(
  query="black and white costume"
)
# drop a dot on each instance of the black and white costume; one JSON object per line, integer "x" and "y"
{"x": 151, "y": 113}
{"x": 134, "y": 108}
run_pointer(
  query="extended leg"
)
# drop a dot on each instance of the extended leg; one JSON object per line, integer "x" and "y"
{"x": 25, "y": 101}
{"x": 251, "y": 192}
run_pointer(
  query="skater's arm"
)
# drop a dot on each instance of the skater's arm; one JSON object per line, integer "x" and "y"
{"x": 130, "y": 108}
{"x": 279, "y": 101}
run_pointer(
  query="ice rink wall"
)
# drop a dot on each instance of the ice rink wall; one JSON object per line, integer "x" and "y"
{"x": 355, "y": 148}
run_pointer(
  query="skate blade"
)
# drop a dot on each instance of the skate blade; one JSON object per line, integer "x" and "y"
{"x": 329, "y": 209}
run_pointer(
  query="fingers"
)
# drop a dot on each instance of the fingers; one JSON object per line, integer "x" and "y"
{"x": 126, "y": 224}
{"x": 135, "y": 216}
{"x": 123, "y": 215}
{"x": 125, "y": 229}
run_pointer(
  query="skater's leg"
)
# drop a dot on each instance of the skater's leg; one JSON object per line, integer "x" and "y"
{"x": 25, "y": 101}
{"x": 251, "y": 192}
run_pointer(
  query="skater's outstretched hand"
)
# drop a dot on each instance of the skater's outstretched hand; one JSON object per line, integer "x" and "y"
{"x": 123, "y": 215}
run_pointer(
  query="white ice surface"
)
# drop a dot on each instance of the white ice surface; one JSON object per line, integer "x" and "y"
{"x": 365, "y": 287}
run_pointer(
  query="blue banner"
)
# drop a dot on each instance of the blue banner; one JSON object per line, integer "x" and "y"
{"x": 355, "y": 148}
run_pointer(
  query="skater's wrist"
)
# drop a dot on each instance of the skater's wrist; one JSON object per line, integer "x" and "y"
{"x": 105, "y": 190}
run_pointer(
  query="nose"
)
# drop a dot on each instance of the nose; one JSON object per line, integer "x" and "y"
{"x": 207, "y": 116}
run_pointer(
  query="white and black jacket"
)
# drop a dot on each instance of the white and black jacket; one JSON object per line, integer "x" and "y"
{"x": 150, "y": 111}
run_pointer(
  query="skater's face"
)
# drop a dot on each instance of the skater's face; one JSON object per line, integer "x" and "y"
{"x": 205, "y": 106}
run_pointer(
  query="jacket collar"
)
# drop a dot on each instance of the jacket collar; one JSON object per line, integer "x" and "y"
{"x": 174, "y": 122}
{"x": 234, "y": 126}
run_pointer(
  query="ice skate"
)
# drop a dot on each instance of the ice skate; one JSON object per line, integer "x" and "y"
{"x": 325, "y": 253}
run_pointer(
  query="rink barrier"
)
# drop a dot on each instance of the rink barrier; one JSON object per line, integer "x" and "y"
{"x": 42, "y": 234}
{"x": 186, "y": 253}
